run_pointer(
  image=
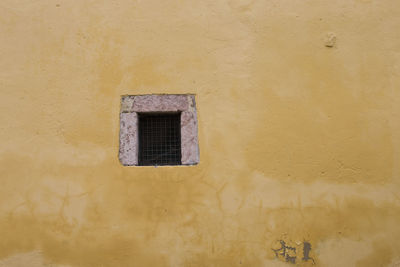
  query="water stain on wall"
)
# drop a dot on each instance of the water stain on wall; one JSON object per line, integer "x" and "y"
{"x": 298, "y": 141}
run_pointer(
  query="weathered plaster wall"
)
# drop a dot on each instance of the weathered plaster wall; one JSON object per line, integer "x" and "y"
{"x": 298, "y": 105}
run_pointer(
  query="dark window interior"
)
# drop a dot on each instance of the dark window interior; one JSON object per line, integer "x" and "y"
{"x": 159, "y": 139}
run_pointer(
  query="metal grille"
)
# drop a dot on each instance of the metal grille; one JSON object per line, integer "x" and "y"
{"x": 159, "y": 139}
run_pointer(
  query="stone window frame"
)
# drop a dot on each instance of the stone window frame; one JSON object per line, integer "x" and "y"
{"x": 131, "y": 105}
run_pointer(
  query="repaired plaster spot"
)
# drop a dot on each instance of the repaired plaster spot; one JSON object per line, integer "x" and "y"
{"x": 330, "y": 40}
{"x": 131, "y": 105}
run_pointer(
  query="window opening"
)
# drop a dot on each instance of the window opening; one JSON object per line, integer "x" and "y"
{"x": 170, "y": 115}
{"x": 159, "y": 139}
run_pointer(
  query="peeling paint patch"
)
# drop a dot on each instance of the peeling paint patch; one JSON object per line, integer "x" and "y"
{"x": 288, "y": 253}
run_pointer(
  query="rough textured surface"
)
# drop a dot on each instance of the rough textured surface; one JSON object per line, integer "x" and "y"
{"x": 154, "y": 103}
{"x": 128, "y": 139}
{"x": 190, "y": 147}
{"x": 128, "y": 152}
{"x": 299, "y": 142}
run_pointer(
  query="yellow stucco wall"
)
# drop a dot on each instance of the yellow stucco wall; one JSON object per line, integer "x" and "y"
{"x": 299, "y": 131}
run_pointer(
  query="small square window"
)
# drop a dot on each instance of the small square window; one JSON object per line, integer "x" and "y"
{"x": 159, "y": 139}
{"x": 158, "y": 130}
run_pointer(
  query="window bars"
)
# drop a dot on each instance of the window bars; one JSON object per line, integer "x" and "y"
{"x": 159, "y": 139}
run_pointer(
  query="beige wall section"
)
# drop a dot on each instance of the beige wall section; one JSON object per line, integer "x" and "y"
{"x": 299, "y": 132}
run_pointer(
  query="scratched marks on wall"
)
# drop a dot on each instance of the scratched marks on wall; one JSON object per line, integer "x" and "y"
{"x": 293, "y": 253}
